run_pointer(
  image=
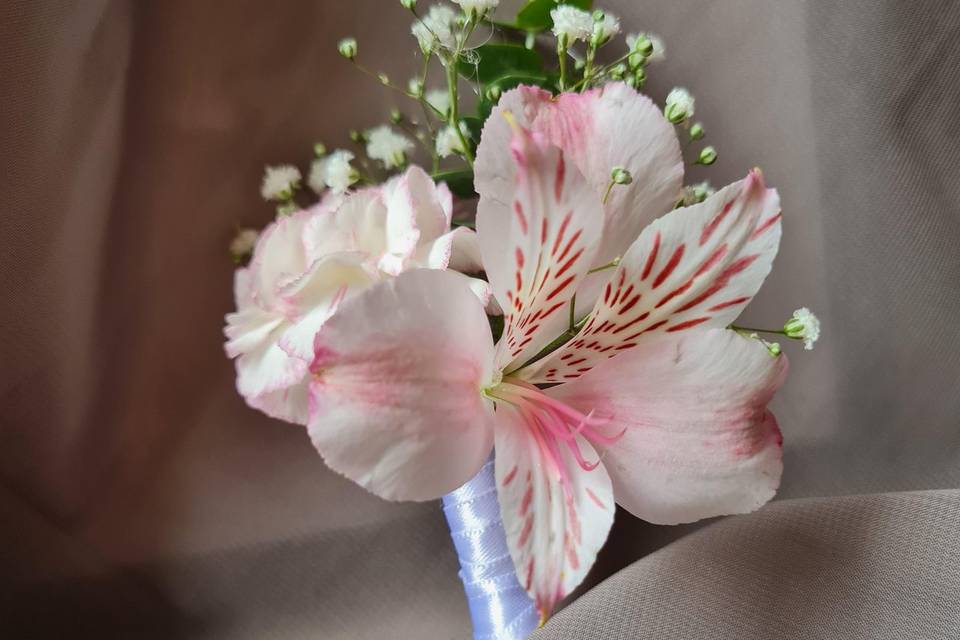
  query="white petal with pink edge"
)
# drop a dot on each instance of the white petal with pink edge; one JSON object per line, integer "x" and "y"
{"x": 697, "y": 266}
{"x": 551, "y": 233}
{"x": 699, "y": 441}
{"x": 395, "y": 394}
{"x": 556, "y": 514}
{"x": 314, "y": 297}
{"x": 598, "y": 130}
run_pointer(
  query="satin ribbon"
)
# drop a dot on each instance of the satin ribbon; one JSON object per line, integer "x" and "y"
{"x": 499, "y": 607}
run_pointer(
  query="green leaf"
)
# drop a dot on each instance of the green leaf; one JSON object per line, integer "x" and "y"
{"x": 496, "y": 60}
{"x": 475, "y": 125}
{"x": 460, "y": 182}
{"x": 535, "y": 14}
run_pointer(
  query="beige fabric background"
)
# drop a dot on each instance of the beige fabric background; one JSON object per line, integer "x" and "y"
{"x": 140, "y": 498}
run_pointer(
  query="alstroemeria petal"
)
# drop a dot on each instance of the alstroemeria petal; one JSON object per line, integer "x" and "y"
{"x": 600, "y": 129}
{"x": 315, "y": 296}
{"x": 395, "y": 395}
{"x": 699, "y": 440}
{"x": 552, "y": 231}
{"x": 556, "y": 519}
{"x": 695, "y": 267}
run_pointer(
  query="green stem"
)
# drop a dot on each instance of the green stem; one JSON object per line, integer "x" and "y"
{"x": 606, "y": 194}
{"x": 610, "y": 265}
{"x": 779, "y": 332}
{"x": 562, "y": 56}
{"x": 454, "y": 121}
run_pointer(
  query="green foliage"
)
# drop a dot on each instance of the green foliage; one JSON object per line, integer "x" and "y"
{"x": 497, "y": 60}
{"x": 535, "y": 14}
{"x": 460, "y": 182}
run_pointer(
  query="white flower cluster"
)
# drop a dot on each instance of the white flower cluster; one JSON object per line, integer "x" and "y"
{"x": 280, "y": 182}
{"x": 477, "y": 7}
{"x": 697, "y": 193}
{"x": 679, "y": 106}
{"x": 572, "y": 23}
{"x": 658, "y": 52}
{"x": 803, "y": 326}
{"x": 388, "y": 146}
{"x": 439, "y": 99}
{"x": 606, "y": 28}
{"x": 333, "y": 171}
{"x": 448, "y": 142}
{"x": 436, "y": 28}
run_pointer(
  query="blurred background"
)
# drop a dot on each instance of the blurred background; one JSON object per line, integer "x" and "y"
{"x": 139, "y": 497}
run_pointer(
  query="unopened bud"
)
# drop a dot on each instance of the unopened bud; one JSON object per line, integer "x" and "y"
{"x": 319, "y": 150}
{"x": 395, "y": 116}
{"x": 357, "y": 136}
{"x": 348, "y": 48}
{"x": 384, "y": 78}
{"x": 408, "y": 4}
{"x": 707, "y": 156}
{"x": 494, "y": 93}
{"x": 415, "y": 87}
{"x": 619, "y": 175}
{"x": 697, "y": 131}
{"x": 679, "y": 106}
{"x": 643, "y": 46}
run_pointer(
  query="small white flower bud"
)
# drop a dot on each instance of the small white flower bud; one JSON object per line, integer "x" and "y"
{"x": 619, "y": 175}
{"x": 435, "y": 30}
{"x": 493, "y": 94}
{"x": 707, "y": 156}
{"x": 388, "y": 146}
{"x": 439, "y": 99}
{"x": 571, "y": 24}
{"x": 605, "y": 27}
{"x": 396, "y": 117}
{"x": 680, "y": 105}
{"x": 697, "y": 193}
{"x": 415, "y": 87}
{"x": 241, "y": 247}
{"x": 348, "y": 48}
{"x": 410, "y": 5}
{"x": 477, "y": 8}
{"x": 280, "y": 182}
{"x": 803, "y": 325}
{"x": 697, "y": 131}
{"x": 448, "y": 142}
{"x": 319, "y": 150}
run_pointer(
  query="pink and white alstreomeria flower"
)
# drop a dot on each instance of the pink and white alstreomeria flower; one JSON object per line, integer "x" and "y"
{"x": 654, "y": 401}
{"x": 306, "y": 264}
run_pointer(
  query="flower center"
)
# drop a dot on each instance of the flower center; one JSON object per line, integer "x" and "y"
{"x": 553, "y": 424}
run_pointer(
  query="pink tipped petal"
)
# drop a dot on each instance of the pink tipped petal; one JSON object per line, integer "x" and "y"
{"x": 416, "y": 211}
{"x": 395, "y": 396}
{"x": 315, "y": 296}
{"x": 267, "y": 368}
{"x": 538, "y": 247}
{"x": 696, "y": 267}
{"x": 598, "y": 130}
{"x": 280, "y": 256}
{"x": 358, "y": 224}
{"x": 699, "y": 441}
{"x": 290, "y": 404}
{"x": 556, "y": 514}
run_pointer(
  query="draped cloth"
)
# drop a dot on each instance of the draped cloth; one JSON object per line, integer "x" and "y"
{"x": 139, "y": 497}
